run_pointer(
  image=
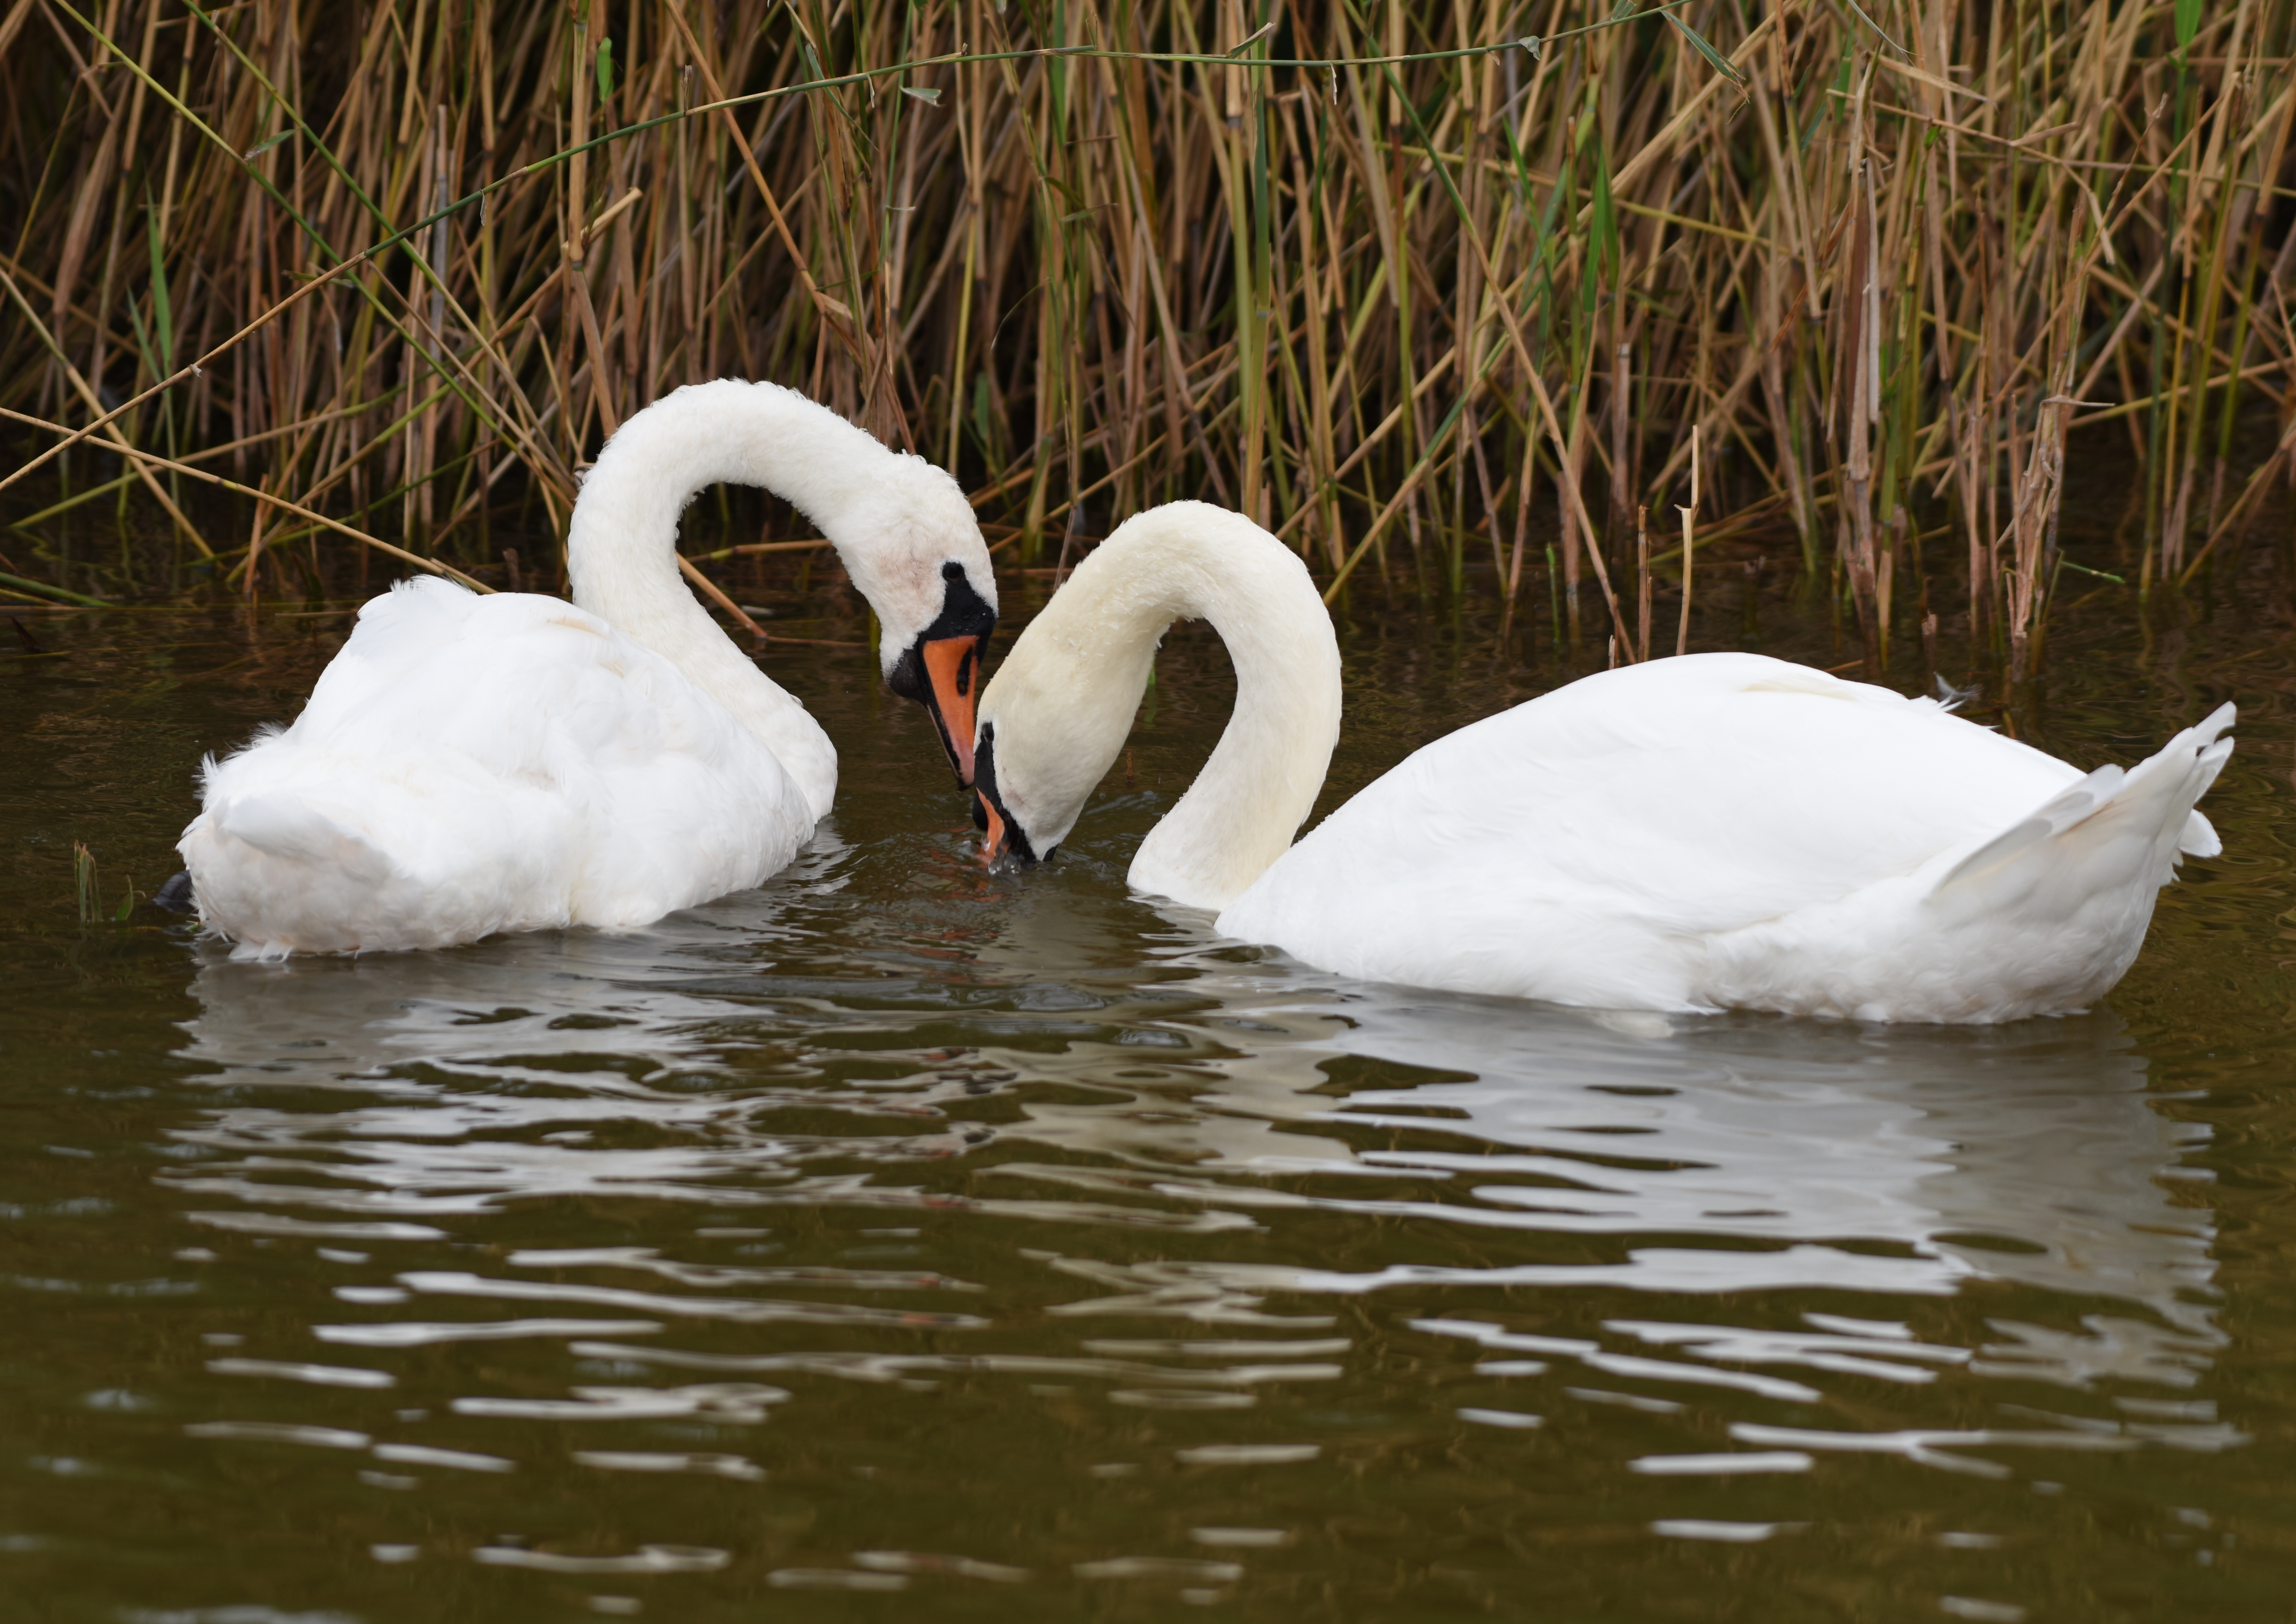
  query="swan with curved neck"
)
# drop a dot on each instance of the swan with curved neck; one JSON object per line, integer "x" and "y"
{"x": 473, "y": 764}
{"x": 1702, "y": 833}
{"x": 1057, "y": 711}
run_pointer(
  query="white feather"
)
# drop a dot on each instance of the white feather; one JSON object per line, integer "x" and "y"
{"x": 1726, "y": 831}
{"x": 1715, "y": 832}
{"x": 473, "y": 764}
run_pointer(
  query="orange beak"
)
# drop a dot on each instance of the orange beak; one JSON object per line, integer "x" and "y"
{"x": 953, "y": 681}
{"x": 993, "y": 841}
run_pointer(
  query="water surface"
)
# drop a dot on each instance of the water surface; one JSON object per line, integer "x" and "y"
{"x": 897, "y": 1241}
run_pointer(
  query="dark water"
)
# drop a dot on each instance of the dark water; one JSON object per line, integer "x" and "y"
{"x": 896, "y": 1242}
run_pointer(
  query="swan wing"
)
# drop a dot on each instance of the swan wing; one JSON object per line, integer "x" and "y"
{"x": 468, "y": 764}
{"x": 2111, "y": 830}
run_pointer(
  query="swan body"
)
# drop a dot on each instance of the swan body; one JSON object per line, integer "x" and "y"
{"x": 470, "y": 764}
{"x": 1732, "y": 831}
{"x": 1700, "y": 833}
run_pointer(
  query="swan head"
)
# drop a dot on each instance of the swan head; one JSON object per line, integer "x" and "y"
{"x": 1004, "y": 838}
{"x": 939, "y": 664}
{"x": 907, "y": 535}
{"x": 1051, "y": 722}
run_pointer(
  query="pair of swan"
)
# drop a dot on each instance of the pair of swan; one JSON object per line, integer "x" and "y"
{"x": 1722, "y": 830}
{"x": 1709, "y": 833}
{"x": 469, "y": 765}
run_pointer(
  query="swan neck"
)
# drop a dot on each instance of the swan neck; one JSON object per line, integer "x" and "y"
{"x": 1064, "y": 702}
{"x": 1262, "y": 778}
{"x": 622, "y": 542}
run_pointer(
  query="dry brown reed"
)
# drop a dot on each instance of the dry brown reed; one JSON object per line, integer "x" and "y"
{"x": 1441, "y": 301}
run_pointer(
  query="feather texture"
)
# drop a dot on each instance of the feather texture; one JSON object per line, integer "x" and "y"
{"x": 1727, "y": 831}
{"x": 473, "y": 764}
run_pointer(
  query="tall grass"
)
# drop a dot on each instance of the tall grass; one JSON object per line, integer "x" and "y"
{"x": 1445, "y": 292}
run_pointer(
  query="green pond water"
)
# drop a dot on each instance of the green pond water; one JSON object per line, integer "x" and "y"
{"x": 899, "y": 1241}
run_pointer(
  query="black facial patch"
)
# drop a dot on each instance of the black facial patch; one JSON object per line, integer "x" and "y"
{"x": 963, "y": 613}
{"x": 984, "y": 795}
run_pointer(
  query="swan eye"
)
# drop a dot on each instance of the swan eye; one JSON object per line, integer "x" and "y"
{"x": 964, "y": 617}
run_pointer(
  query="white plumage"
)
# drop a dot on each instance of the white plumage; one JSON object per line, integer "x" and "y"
{"x": 469, "y": 765}
{"x": 1716, "y": 831}
{"x": 1731, "y": 832}
{"x": 473, "y": 764}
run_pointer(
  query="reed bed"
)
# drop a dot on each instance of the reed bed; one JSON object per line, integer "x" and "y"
{"x": 1531, "y": 303}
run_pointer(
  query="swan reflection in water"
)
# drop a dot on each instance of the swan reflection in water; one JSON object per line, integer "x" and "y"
{"x": 1193, "y": 1086}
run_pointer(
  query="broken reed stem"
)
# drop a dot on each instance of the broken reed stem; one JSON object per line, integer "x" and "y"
{"x": 426, "y": 263}
{"x": 1689, "y": 547}
{"x": 1643, "y": 580}
{"x": 91, "y": 905}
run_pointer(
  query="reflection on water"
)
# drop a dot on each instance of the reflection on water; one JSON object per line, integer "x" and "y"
{"x": 1021, "y": 1248}
{"x": 728, "y": 1066}
{"x": 664, "y": 1066}
{"x": 2030, "y": 1156}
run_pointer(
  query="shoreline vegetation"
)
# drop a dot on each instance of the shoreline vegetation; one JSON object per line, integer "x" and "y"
{"x": 1528, "y": 304}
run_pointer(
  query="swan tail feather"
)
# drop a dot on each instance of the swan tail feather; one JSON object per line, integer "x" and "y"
{"x": 2112, "y": 829}
{"x": 288, "y": 829}
{"x": 277, "y": 875}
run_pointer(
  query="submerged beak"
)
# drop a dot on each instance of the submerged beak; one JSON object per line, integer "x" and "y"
{"x": 1004, "y": 842}
{"x": 996, "y": 838}
{"x": 952, "y": 670}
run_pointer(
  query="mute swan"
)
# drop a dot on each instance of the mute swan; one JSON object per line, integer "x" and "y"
{"x": 1709, "y": 833}
{"x": 469, "y": 764}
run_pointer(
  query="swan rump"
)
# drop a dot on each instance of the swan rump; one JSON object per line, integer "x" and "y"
{"x": 1695, "y": 834}
{"x": 469, "y": 765}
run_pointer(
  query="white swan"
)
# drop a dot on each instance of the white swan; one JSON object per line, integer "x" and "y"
{"x": 1717, "y": 832}
{"x": 469, "y": 764}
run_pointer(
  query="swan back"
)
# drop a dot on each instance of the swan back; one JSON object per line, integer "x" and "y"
{"x": 1728, "y": 831}
{"x": 1061, "y": 705}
